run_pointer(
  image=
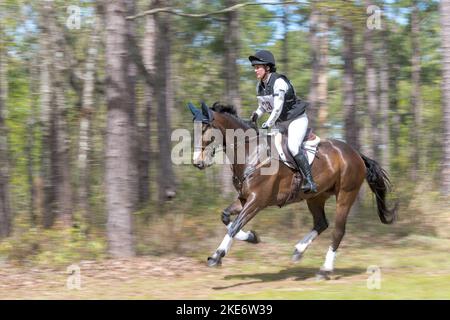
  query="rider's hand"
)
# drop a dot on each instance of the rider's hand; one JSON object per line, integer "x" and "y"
{"x": 265, "y": 125}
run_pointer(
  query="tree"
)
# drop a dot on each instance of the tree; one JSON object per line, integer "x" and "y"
{"x": 319, "y": 56}
{"x": 148, "y": 56}
{"x": 118, "y": 174}
{"x": 285, "y": 51}
{"x": 5, "y": 208}
{"x": 415, "y": 91}
{"x": 31, "y": 126}
{"x": 60, "y": 189}
{"x": 231, "y": 46}
{"x": 48, "y": 174}
{"x": 349, "y": 86}
{"x": 445, "y": 35}
{"x": 371, "y": 89}
{"x": 384, "y": 99}
{"x": 85, "y": 120}
{"x": 131, "y": 84}
{"x": 231, "y": 73}
{"x": 163, "y": 92}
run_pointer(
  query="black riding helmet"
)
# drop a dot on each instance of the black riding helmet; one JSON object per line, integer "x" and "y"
{"x": 264, "y": 57}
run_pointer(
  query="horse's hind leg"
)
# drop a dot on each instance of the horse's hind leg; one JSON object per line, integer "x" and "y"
{"x": 345, "y": 200}
{"x": 317, "y": 208}
{"x": 233, "y": 209}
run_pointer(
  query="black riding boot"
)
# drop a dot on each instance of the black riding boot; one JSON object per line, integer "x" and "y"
{"x": 309, "y": 185}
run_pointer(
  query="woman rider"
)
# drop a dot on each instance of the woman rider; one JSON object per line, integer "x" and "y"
{"x": 276, "y": 95}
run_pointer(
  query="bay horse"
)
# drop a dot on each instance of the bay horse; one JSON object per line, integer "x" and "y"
{"x": 338, "y": 170}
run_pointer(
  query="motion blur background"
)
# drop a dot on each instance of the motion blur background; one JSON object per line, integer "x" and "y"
{"x": 90, "y": 92}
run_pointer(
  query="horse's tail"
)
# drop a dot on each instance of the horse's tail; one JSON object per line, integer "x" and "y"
{"x": 379, "y": 183}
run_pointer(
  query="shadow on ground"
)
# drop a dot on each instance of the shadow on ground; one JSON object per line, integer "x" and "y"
{"x": 296, "y": 274}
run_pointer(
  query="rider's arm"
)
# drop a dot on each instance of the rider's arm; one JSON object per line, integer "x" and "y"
{"x": 260, "y": 110}
{"x": 280, "y": 87}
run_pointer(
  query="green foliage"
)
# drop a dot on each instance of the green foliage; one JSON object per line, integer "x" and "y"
{"x": 58, "y": 247}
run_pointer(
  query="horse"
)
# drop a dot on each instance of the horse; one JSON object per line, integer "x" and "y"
{"x": 338, "y": 170}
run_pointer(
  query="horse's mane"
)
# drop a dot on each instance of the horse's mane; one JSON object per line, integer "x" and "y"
{"x": 231, "y": 110}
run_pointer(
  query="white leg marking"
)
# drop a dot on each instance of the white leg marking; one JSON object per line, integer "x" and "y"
{"x": 241, "y": 235}
{"x": 329, "y": 260}
{"x": 306, "y": 241}
{"x": 226, "y": 243}
{"x": 196, "y": 157}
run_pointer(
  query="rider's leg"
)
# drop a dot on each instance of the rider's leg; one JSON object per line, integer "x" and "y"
{"x": 297, "y": 130}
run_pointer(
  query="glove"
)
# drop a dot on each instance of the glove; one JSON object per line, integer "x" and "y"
{"x": 254, "y": 117}
{"x": 265, "y": 125}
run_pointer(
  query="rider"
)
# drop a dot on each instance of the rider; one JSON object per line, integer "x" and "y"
{"x": 276, "y": 94}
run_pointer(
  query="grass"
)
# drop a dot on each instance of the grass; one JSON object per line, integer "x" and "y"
{"x": 262, "y": 271}
{"x": 411, "y": 254}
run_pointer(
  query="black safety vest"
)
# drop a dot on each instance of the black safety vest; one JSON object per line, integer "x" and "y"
{"x": 293, "y": 107}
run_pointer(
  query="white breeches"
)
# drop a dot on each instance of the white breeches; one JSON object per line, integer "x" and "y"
{"x": 296, "y": 133}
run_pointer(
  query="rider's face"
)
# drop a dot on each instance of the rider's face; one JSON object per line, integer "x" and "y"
{"x": 260, "y": 71}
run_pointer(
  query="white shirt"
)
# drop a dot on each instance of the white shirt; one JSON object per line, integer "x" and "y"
{"x": 272, "y": 103}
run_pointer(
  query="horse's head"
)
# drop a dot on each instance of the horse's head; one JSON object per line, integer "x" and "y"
{"x": 205, "y": 150}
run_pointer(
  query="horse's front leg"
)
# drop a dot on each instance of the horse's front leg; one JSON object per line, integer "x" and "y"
{"x": 249, "y": 210}
{"x": 233, "y": 209}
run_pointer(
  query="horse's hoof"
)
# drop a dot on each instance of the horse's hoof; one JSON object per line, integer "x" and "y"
{"x": 216, "y": 259}
{"x": 297, "y": 255}
{"x": 253, "y": 237}
{"x": 324, "y": 275}
{"x": 214, "y": 262}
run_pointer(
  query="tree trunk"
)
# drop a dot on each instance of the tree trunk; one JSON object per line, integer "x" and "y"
{"x": 372, "y": 90}
{"x": 349, "y": 87}
{"x": 231, "y": 69}
{"x": 85, "y": 122}
{"x": 118, "y": 176}
{"x": 59, "y": 140}
{"x": 166, "y": 179}
{"x": 318, "y": 35}
{"x": 5, "y": 207}
{"x": 285, "y": 43}
{"x": 315, "y": 66}
{"x": 322, "y": 79}
{"x": 47, "y": 171}
{"x": 31, "y": 124}
{"x": 393, "y": 105}
{"x": 415, "y": 92}
{"x": 148, "y": 55}
{"x": 384, "y": 101}
{"x": 64, "y": 187}
{"x": 445, "y": 34}
{"x": 231, "y": 72}
{"x": 131, "y": 83}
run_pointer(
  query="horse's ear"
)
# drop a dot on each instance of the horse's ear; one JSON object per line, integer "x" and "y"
{"x": 193, "y": 109}
{"x": 207, "y": 111}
